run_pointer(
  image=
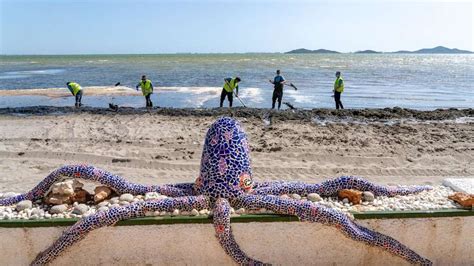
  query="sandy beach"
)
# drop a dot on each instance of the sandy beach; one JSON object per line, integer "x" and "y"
{"x": 388, "y": 146}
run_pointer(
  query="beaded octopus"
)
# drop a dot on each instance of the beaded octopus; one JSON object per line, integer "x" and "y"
{"x": 225, "y": 180}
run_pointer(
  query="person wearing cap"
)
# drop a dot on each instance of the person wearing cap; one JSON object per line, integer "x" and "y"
{"x": 147, "y": 90}
{"x": 76, "y": 90}
{"x": 338, "y": 89}
{"x": 228, "y": 90}
{"x": 278, "y": 84}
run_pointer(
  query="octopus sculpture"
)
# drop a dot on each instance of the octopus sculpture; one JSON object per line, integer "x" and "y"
{"x": 225, "y": 181}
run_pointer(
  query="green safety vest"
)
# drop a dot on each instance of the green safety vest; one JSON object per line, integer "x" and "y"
{"x": 231, "y": 85}
{"x": 74, "y": 88}
{"x": 146, "y": 87}
{"x": 336, "y": 85}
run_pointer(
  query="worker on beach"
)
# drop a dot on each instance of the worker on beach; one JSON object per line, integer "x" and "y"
{"x": 76, "y": 90}
{"x": 278, "y": 84}
{"x": 338, "y": 89}
{"x": 147, "y": 90}
{"x": 228, "y": 90}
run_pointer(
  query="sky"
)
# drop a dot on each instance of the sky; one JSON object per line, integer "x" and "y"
{"x": 227, "y": 26}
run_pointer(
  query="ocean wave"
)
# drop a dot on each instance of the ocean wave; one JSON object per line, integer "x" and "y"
{"x": 29, "y": 73}
{"x": 201, "y": 95}
{"x": 35, "y": 72}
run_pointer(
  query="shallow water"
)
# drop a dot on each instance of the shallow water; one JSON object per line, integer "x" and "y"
{"x": 371, "y": 81}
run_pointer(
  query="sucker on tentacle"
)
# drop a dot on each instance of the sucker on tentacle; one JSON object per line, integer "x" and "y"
{"x": 225, "y": 181}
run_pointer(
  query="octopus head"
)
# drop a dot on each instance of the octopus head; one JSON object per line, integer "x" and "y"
{"x": 225, "y": 162}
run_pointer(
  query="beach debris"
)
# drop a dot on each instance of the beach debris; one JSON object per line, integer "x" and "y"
{"x": 101, "y": 193}
{"x": 463, "y": 199}
{"x": 352, "y": 195}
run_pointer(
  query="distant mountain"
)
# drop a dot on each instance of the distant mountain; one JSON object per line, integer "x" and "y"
{"x": 436, "y": 50}
{"x": 367, "y": 52}
{"x": 306, "y": 51}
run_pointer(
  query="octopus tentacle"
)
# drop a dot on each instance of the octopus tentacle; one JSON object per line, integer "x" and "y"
{"x": 89, "y": 172}
{"x": 225, "y": 236}
{"x": 308, "y": 211}
{"x": 79, "y": 230}
{"x": 332, "y": 186}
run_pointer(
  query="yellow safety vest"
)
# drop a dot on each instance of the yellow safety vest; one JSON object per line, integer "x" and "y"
{"x": 336, "y": 85}
{"x": 231, "y": 85}
{"x": 74, "y": 88}
{"x": 146, "y": 87}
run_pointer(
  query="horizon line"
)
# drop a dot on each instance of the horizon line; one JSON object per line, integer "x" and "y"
{"x": 203, "y": 53}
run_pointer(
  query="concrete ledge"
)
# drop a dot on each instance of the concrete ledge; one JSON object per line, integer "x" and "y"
{"x": 445, "y": 240}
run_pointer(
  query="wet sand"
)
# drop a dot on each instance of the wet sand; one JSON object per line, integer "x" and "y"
{"x": 388, "y": 146}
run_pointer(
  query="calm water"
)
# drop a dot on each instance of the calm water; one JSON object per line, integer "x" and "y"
{"x": 412, "y": 81}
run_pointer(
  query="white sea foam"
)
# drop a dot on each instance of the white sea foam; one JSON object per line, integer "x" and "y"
{"x": 300, "y": 98}
{"x": 201, "y": 95}
{"x": 29, "y": 73}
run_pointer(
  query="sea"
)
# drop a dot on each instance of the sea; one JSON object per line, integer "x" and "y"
{"x": 415, "y": 81}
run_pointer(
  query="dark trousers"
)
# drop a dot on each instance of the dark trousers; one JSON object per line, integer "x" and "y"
{"x": 148, "y": 100}
{"x": 337, "y": 98}
{"x": 78, "y": 98}
{"x": 230, "y": 97}
{"x": 277, "y": 95}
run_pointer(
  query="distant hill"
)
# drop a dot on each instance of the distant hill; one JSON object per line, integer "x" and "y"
{"x": 436, "y": 50}
{"x": 306, "y": 51}
{"x": 367, "y": 52}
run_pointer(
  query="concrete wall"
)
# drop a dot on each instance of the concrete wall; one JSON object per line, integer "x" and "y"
{"x": 446, "y": 241}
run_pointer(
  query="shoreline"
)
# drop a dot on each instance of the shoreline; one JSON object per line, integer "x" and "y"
{"x": 366, "y": 114}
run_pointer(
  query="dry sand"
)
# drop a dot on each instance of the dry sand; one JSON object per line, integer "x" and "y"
{"x": 164, "y": 146}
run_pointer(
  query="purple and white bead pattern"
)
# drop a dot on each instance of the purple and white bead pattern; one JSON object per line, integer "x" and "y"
{"x": 225, "y": 181}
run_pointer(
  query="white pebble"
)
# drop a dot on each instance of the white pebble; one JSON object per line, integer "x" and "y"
{"x": 151, "y": 196}
{"x": 104, "y": 203}
{"x": 80, "y": 209}
{"x": 296, "y": 196}
{"x": 103, "y": 209}
{"x": 194, "y": 212}
{"x": 24, "y": 204}
{"x": 58, "y": 209}
{"x": 314, "y": 197}
{"x": 126, "y": 197}
{"x": 114, "y": 200}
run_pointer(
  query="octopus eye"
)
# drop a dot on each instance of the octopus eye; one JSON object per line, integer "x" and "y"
{"x": 245, "y": 182}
